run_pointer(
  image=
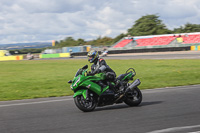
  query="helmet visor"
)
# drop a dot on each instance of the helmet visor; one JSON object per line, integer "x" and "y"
{"x": 91, "y": 57}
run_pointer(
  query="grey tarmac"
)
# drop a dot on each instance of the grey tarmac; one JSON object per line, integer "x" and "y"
{"x": 163, "y": 110}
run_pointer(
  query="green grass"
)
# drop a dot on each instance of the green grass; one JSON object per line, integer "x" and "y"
{"x": 48, "y": 78}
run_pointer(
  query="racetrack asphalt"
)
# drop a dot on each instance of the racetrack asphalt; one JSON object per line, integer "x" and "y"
{"x": 163, "y": 110}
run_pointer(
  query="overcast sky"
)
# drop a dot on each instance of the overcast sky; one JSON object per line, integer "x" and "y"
{"x": 46, "y": 20}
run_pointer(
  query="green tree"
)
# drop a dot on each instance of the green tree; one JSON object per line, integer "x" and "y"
{"x": 188, "y": 28}
{"x": 80, "y": 41}
{"x": 105, "y": 41}
{"x": 148, "y": 25}
{"x": 69, "y": 39}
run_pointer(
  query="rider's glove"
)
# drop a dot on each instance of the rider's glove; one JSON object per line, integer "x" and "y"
{"x": 89, "y": 73}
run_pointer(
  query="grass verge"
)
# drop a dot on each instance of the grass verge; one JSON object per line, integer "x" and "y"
{"x": 48, "y": 78}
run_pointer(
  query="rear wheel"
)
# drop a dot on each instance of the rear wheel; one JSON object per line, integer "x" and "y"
{"x": 133, "y": 97}
{"x": 85, "y": 105}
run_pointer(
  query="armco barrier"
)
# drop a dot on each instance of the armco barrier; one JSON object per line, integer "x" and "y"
{"x": 64, "y": 54}
{"x": 140, "y": 50}
{"x": 120, "y": 51}
{"x": 150, "y": 50}
{"x": 195, "y": 47}
{"x": 49, "y": 56}
{"x": 58, "y": 55}
{"x": 6, "y": 58}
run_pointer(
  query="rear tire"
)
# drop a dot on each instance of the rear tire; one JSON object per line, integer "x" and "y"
{"x": 85, "y": 105}
{"x": 133, "y": 97}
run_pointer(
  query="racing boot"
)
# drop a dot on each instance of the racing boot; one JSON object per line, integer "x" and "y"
{"x": 102, "y": 85}
{"x": 119, "y": 86}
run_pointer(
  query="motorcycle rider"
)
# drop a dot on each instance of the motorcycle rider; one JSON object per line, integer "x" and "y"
{"x": 99, "y": 65}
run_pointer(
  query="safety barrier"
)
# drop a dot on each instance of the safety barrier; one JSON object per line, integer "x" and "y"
{"x": 195, "y": 47}
{"x": 140, "y": 50}
{"x": 64, "y": 54}
{"x": 75, "y": 49}
{"x": 6, "y": 58}
{"x": 58, "y": 55}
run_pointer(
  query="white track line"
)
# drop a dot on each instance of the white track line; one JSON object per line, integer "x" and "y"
{"x": 29, "y": 103}
{"x": 173, "y": 129}
{"x": 67, "y": 99}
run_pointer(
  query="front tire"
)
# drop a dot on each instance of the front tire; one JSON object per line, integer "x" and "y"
{"x": 85, "y": 105}
{"x": 133, "y": 97}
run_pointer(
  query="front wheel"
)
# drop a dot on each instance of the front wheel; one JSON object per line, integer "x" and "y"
{"x": 133, "y": 97}
{"x": 85, "y": 105}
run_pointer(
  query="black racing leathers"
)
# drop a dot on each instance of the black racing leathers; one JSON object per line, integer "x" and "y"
{"x": 101, "y": 66}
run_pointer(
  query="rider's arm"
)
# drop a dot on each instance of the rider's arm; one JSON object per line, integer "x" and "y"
{"x": 103, "y": 65}
{"x": 102, "y": 68}
{"x": 92, "y": 68}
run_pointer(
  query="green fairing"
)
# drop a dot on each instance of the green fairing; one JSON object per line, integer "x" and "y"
{"x": 87, "y": 82}
{"x": 102, "y": 76}
{"x": 83, "y": 92}
{"x": 80, "y": 92}
{"x": 92, "y": 86}
{"x": 128, "y": 76}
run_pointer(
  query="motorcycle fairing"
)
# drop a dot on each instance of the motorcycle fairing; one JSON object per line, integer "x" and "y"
{"x": 87, "y": 82}
{"x": 80, "y": 92}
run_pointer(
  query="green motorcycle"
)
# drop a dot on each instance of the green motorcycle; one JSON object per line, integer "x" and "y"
{"x": 89, "y": 93}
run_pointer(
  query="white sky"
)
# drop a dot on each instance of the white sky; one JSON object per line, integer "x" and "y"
{"x": 46, "y": 20}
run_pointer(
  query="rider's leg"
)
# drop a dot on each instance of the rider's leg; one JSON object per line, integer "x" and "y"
{"x": 102, "y": 85}
{"x": 119, "y": 85}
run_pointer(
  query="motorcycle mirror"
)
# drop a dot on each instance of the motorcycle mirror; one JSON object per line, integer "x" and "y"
{"x": 70, "y": 81}
{"x": 85, "y": 67}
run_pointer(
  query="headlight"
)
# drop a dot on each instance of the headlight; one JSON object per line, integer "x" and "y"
{"x": 76, "y": 81}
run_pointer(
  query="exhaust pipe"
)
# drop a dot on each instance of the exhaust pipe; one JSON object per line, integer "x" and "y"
{"x": 134, "y": 84}
{"x": 131, "y": 87}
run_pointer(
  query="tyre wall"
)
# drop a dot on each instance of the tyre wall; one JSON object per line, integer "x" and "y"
{"x": 6, "y": 58}
{"x": 58, "y": 55}
{"x": 195, "y": 47}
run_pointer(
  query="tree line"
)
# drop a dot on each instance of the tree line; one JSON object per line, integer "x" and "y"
{"x": 146, "y": 25}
